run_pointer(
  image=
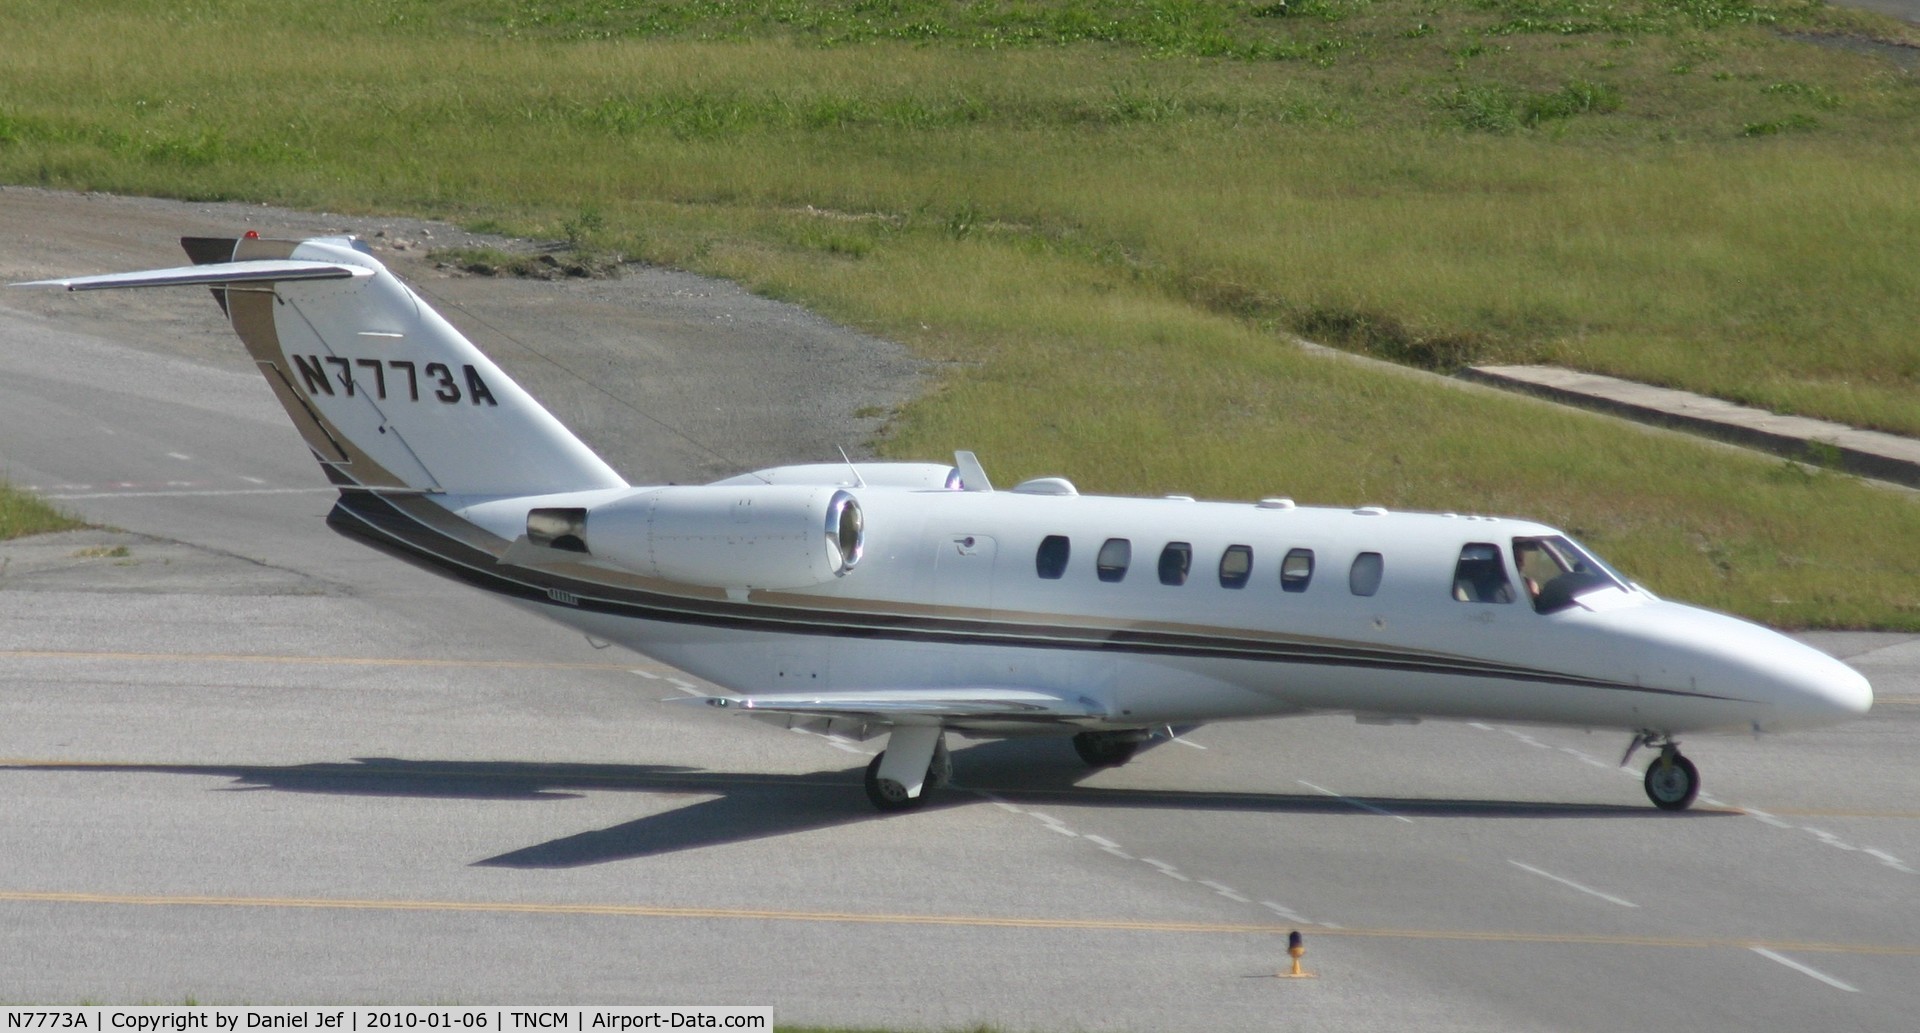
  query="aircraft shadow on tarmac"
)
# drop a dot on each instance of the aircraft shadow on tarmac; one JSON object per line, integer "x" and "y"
{"x": 743, "y": 807}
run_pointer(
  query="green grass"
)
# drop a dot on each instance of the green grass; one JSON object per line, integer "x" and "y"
{"x": 1106, "y": 218}
{"x": 22, "y": 514}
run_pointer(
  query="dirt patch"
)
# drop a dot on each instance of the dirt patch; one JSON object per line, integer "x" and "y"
{"x": 99, "y": 560}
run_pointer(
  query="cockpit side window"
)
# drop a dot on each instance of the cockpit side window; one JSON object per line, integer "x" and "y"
{"x": 1556, "y": 572}
{"x": 1481, "y": 575}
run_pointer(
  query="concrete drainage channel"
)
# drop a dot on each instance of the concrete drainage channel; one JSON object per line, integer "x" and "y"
{"x": 1867, "y": 453}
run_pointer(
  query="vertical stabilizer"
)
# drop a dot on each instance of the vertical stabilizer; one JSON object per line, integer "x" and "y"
{"x": 387, "y": 393}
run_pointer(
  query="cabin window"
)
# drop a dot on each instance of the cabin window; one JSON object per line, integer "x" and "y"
{"x": 1364, "y": 576}
{"x": 1236, "y": 566}
{"x": 1555, "y": 572}
{"x": 1114, "y": 556}
{"x": 1051, "y": 561}
{"x": 1175, "y": 560}
{"x": 1296, "y": 570}
{"x": 1481, "y": 575}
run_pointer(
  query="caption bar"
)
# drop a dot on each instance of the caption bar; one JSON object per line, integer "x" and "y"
{"x": 188, "y": 1018}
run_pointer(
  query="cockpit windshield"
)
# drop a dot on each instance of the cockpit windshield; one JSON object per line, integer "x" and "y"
{"x": 1557, "y": 572}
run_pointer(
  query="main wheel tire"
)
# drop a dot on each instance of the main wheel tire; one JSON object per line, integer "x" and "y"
{"x": 1105, "y": 749}
{"x": 887, "y": 795}
{"x": 1672, "y": 783}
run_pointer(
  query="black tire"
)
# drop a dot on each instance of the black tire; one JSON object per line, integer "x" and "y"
{"x": 1672, "y": 784}
{"x": 1105, "y": 749}
{"x": 887, "y": 795}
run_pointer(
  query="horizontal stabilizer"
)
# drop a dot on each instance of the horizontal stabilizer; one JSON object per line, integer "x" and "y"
{"x": 916, "y": 707}
{"x": 212, "y": 275}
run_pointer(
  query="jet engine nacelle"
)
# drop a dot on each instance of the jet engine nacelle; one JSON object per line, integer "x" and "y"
{"x": 718, "y": 536}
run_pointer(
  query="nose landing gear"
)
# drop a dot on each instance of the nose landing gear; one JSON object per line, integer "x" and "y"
{"x": 1672, "y": 781}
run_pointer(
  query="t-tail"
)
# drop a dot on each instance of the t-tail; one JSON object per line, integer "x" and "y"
{"x": 388, "y": 395}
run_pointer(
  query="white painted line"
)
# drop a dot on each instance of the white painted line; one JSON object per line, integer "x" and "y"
{"x": 997, "y": 801}
{"x": 1287, "y": 913}
{"x": 649, "y": 675}
{"x": 1583, "y": 758}
{"x": 1184, "y": 741}
{"x": 1166, "y": 869}
{"x": 176, "y": 455}
{"x": 251, "y": 480}
{"x": 1226, "y": 891}
{"x": 1888, "y": 859}
{"x": 1053, "y": 823}
{"x": 843, "y": 747}
{"x": 1570, "y": 884}
{"x": 1351, "y": 802}
{"x": 1829, "y": 838}
{"x": 1805, "y": 970}
{"x": 1762, "y": 816}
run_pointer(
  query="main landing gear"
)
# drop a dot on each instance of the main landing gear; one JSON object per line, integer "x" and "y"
{"x": 914, "y": 761}
{"x": 1672, "y": 781}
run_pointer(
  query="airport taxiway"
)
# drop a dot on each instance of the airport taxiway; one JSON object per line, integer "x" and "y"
{"x": 251, "y": 761}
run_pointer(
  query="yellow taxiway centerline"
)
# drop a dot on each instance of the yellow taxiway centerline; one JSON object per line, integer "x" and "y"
{"x": 975, "y": 921}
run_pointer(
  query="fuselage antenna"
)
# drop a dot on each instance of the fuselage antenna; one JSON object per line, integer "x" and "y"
{"x": 857, "y": 482}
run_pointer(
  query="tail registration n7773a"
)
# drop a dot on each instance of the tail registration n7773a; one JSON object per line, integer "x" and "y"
{"x": 913, "y": 600}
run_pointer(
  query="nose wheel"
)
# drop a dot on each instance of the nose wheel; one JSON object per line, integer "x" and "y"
{"x": 1671, "y": 781}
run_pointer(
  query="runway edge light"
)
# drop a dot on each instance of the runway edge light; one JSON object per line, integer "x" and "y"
{"x": 1296, "y": 949}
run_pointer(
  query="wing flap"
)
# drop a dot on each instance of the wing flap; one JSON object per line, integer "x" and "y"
{"x": 925, "y": 706}
{"x": 211, "y": 275}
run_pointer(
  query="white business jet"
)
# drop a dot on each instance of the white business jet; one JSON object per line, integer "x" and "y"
{"x": 911, "y": 600}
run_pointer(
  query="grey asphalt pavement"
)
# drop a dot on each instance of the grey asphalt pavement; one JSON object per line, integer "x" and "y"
{"x": 247, "y": 761}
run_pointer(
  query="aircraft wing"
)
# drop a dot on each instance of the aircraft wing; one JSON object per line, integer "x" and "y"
{"x": 956, "y": 707}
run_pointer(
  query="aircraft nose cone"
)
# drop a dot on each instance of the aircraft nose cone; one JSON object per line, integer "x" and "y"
{"x": 1816, "y": 689}
{"x": 1846, "y": 690}
{"x": 1787, "y": 684}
